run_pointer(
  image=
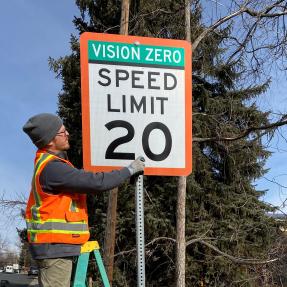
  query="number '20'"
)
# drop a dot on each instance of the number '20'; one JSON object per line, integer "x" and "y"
{"x": 111, "y": 154}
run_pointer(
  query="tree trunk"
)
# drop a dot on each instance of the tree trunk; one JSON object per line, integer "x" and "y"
{"x": 181, "y": 194}
{"x": 187, "y": 20}
{"x": 124, "y": 29}
{"x": 180, "y": 232}
{"x": 109, "y": 247}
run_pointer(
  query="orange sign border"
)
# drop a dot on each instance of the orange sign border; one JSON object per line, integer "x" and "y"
{"x": 85, "y": 100}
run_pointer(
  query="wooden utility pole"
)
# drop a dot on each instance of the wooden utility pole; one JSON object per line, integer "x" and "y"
{"x": 181, "y": 195}
{"x": 180, "y": 232}
{"x": 124, "y": 29}
{"x": 109, "y": 246}
{"x": 187, "y": 20}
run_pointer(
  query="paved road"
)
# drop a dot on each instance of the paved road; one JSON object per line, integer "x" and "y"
{"x": 17, "y": 280}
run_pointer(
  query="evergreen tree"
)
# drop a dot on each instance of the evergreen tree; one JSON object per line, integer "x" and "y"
{"x": 223, "y": 206}
{"x": 25, "y": 259}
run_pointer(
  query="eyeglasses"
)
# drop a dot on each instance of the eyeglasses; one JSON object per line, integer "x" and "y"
{"x": 64, "y": 133}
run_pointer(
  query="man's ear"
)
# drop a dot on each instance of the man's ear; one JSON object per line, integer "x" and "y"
{"x": 50, "y": 144}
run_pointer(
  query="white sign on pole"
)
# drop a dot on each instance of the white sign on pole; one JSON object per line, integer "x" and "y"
{"x": 136, "y": 100}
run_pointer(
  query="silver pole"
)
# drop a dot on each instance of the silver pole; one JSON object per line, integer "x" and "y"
{"x": 140, "y": 231}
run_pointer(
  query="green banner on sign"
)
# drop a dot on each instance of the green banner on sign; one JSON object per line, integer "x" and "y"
{"x": 135, "y": 53}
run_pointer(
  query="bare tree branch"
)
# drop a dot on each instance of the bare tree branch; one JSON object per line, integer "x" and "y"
{"x": 264, "y": 13}
{"x": 230, "y": 257}
{"x": 237, "y": 260}
{"x": 12, "y": 208}
{"x": 213, "y": 27}
{"x": 243, "y": 134}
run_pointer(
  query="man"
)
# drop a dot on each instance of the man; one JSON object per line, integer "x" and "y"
{"x": 56, "y": 214}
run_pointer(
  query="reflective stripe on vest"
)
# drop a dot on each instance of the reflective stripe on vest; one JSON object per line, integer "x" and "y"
{"x": 56, "y": 226}
{"x": 35, "y": 208}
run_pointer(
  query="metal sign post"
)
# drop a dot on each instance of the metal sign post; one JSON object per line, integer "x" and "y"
{"x": 140, "y": 231}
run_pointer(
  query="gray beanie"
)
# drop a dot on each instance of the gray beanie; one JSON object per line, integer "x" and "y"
{"x": 42, "y": 128}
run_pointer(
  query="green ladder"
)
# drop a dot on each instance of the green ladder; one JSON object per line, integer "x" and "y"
{"x": 82, "y": 264}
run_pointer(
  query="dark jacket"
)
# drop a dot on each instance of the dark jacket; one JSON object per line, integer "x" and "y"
{"x": 59, "y": 177}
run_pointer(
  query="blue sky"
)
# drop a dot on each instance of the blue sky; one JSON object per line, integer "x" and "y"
{"x": 33, "y": 30}
{"x": 275, "y": 181}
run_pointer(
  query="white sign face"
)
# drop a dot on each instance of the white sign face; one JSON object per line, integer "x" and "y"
{"x": 134, "y": 103}
{"x": 127, "y": 108}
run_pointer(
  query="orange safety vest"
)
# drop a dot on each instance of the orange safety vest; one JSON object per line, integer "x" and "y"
{"x": 50, "y": 218}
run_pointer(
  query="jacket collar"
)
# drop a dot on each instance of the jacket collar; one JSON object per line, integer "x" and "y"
{"x": 61, "y": 154}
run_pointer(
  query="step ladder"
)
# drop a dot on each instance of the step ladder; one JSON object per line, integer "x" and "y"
{"x": 82, "y": 265}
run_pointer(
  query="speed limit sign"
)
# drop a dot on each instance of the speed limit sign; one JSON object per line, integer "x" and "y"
{"x": 136, "y": 100}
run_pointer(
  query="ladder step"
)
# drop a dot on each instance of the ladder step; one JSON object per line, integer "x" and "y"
{"x": 90, "y": 246}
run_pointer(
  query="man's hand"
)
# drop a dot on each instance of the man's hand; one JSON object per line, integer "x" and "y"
{"x": 137, "y": 166}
